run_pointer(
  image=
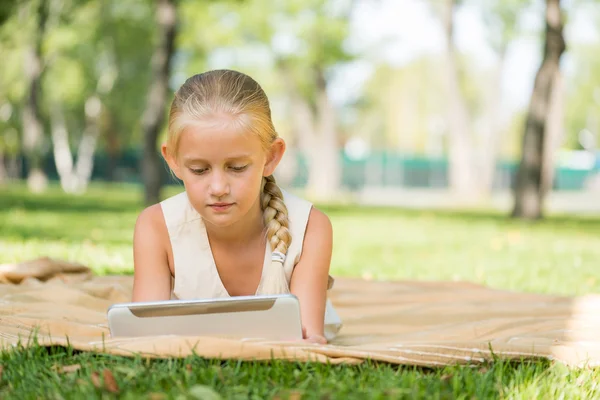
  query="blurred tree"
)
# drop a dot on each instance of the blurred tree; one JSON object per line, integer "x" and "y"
{"x": 76, "y": 53}
{"x": 406, "y": 101}
{"x": 304, "y": 41}
{"x": 33, "y": 129}
{"x": 462, "y": 174}
{"x": 501, "y": 18}
{"x": 156, "y": 101}
{"x": 583, "y": 93}
{"x": 95, "y": 58}
{"x": 12, "y": 90}
{"x": 317, "y": 30}
{"x": 529, "y": 191}
{"x": 582, "y": 108}
{"x": 7, "y": 9}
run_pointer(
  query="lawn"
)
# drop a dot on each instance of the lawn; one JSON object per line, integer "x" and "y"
{"x": 558, "y": 255}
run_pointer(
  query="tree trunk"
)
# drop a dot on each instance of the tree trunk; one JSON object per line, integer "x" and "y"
{"x": 488, "y": 148}
{"x": 460, "y": 152}
{"x": 303, "y": 124}
{"x": 529, "y": 191}
{"x": 324, "y": 167}
{"x": 3, "y": 173}
{"x": 156, "y": 102}
{"x": 13, "y": 167}
{"x": 113, "y": 148}
{"x": 87, "y": 146}
{"x": 63, "y": 159}
{"x": 33, "y": 131}
{"x": 75, "y": 178}
{"x": 554, "y": 133}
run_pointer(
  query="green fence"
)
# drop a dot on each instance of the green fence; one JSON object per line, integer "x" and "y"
{"x": 386, "y": 169}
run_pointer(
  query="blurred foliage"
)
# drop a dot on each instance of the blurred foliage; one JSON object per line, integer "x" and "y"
{"x": 583, "y": 95}
{"x": 103, "y": 48}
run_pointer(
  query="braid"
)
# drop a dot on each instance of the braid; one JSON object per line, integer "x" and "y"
{"x": 275, "y": 215}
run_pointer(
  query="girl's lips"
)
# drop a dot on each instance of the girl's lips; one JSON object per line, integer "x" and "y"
{"x": 220, "y": 206}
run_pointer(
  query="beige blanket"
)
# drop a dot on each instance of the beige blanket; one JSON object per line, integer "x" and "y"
{"x": 418, "y": 323}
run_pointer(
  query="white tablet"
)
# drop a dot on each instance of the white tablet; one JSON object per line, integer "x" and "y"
{"x": 262, "y": 317}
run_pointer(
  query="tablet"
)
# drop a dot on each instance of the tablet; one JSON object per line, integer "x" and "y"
{"x": 274, "y": 317}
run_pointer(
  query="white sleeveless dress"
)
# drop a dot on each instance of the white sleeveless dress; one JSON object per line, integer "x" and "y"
{"x": 196, "y": 274}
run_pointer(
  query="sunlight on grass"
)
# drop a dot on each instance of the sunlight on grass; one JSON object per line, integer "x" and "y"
{"x": 558, "y": 255}
{"x": 555, "y": 256}
{"x": 552, "y": 256}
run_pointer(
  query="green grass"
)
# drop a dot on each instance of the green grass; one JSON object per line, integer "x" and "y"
{"x": 558, "y": 255}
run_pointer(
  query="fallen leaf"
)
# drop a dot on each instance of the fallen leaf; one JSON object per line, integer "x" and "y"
{"x": 156, "y": 396}
{"x": 291, "y": 395}
{"x": 96, "y": 379}
{"x": 1, "y": 370}
{"x": 110, "y": 382}
{"x": 446, "y": 377}
{"x": 67, "y": 368}
{"x": 188, "y": 367}
{"x": 295, "y": 395}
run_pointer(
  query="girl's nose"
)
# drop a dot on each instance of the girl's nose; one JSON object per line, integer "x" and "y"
{"x": 218, "y": 185}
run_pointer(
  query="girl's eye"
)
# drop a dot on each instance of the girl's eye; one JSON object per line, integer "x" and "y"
{"x": 198, "y": 171}
{"x": 239, "y": 169}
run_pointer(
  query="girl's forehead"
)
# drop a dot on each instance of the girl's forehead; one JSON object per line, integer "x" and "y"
{"x": 207, "y": 141}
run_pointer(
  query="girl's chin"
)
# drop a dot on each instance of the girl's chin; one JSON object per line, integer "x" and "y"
{"x": 219, "y": 220}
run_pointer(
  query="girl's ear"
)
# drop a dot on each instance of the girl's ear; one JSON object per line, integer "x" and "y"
{"x": 170, "y": 161}
{"x": 274, "y": 156}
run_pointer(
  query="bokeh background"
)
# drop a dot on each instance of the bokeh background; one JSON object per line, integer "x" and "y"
{"x": 452, "y": 140}
{"x": 412, "y": 102}
{"x": 432, "y": 132}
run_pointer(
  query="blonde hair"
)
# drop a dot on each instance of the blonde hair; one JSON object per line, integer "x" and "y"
{"x": 231, "y": 93}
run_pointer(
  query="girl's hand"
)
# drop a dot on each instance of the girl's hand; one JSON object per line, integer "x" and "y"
{"x": 319, "y": 339}
{"x": 315, "y": 339}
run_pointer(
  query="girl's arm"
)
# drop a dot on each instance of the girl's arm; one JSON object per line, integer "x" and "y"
{"x": 152, "y": 276}
{"x": 310, "y": 276}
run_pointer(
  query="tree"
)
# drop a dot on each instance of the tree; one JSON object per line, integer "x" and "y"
{"x": 33, "y": 129}
{"x": 305, "y": 42}
{"x": 156, "y": 100}
{"x": 77, "y": 47}
{"x": 529, "y": 189}
{"x": 7, "y": 9}
{"x": 315, "y": 121}
{"x": 462, "y": 177}
{"x": 501, "y": 18}
{"x": 472, "y": 152}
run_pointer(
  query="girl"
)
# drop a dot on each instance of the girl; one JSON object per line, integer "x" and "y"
{"x": 233, "y": 231}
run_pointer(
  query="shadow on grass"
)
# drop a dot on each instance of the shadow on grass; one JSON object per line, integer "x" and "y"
{"x": 108, "y": 199}
{"x": 116, "y": 199}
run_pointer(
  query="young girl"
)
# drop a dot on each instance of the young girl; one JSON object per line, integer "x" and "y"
{"x": 233, "y": 231}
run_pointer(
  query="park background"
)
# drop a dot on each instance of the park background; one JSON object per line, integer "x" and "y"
{"x": 446, "y": 140}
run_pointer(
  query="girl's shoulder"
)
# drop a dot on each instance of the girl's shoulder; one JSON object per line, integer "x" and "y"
{"x": 178, "y": 210}
{"x": 160, "y": 218}
{"x": 304, "y": 217}
{"x": 294, "y": 201}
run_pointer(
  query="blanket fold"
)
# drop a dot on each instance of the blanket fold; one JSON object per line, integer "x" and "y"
{"x": 403, "y": 322}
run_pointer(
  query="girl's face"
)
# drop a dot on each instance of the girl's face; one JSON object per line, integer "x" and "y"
{"x": 222, "y": 168}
